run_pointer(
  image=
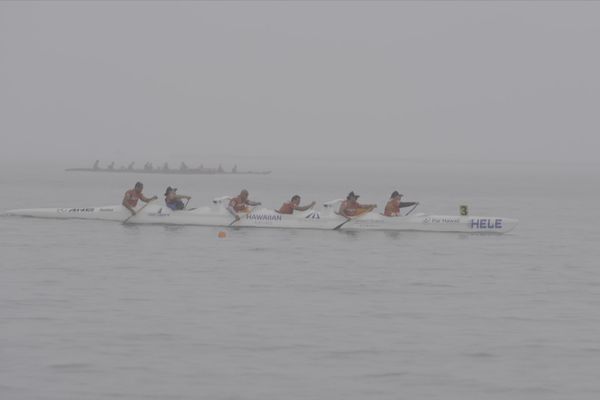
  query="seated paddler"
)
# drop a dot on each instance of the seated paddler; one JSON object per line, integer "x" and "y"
{"x": 294, "y": 205}
{"x": 132, "y": 196}
{"x": 240, "y": 204}
{"x": 175, "y": 201}
{"x": 352, "y": 208}
{"x": 395, "y": 203}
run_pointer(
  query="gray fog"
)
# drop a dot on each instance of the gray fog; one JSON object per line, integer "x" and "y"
{"x": 122, "y": 81}
{"x": 488, "y": 106}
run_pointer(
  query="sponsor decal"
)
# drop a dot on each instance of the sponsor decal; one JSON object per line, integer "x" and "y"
{"x": 75, "y": 210}
{"x": 446, "y": 220}
{"x": 106, "y": 209}
{"x": 264, "y": 217}
{"x": 159, "y": 213}
{"x": 486, "y": 223}
{"x": 313, "y": 215}
{"x": 441, "y": 220}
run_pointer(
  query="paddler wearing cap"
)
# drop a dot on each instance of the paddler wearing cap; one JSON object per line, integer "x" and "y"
{"x": 395, "y": 203}
{"x": 240, "y": 203}
{"x": 174, "y": 200}
{"x": 352, "y": 208}
{"x": 132, "y": 196}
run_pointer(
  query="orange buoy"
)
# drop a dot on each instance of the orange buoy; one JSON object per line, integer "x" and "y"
{"x": 221, "y": 234}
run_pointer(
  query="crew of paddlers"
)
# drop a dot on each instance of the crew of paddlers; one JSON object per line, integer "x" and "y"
{"x": 241, "y": 203}
{"x": 165, "y": 167}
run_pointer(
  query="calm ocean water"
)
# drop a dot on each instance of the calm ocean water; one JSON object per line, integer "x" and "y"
{"x": 99, "y": 310}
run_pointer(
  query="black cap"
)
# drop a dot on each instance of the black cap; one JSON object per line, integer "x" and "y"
{"x": 396, "y": 194}
{"x": 170, "y": 189}
{"x": 351, "y": 194}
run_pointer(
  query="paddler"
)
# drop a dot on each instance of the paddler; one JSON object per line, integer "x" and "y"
{"x": 395, "y": 203}
{"x": 240, "y": 204}
{"x": 175, "y": 201}
{"x": 294, "y": 205}
{"x": 132, "y": 196}
{"x": 352, "y": 208}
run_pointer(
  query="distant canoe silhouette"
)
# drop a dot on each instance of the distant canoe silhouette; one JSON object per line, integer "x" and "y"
{"x": 182, "y": 170}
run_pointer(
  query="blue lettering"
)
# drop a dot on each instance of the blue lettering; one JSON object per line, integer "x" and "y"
{"x": 486, "y": 223}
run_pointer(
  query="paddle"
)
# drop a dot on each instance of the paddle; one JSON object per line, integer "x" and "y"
{"x": 138, "y": 211}
{"x": 342, "y": 224}
{"x": 234, "y": 221}
{"x": 412, "y": 209}
{"x": 368, "y": 210}
{"x": 246, "y": 212}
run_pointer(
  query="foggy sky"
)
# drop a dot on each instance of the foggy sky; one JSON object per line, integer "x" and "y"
{"x": 142, "y": 81}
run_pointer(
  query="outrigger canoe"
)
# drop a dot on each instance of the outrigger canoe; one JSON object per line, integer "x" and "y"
{"x": 326, "y": 219}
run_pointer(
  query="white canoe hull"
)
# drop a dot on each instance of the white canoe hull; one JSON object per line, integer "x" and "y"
{"x": 264, "y": 218}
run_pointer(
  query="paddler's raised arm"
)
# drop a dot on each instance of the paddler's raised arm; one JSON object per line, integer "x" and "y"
{"x": 145, "y": 199}
{"x": 253, "y": 203}
{"x": 369, "y": 206}
{"x": 307, "y": 207}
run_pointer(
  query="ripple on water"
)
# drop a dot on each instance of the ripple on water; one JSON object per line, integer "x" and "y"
{"x": 72, "y": 367}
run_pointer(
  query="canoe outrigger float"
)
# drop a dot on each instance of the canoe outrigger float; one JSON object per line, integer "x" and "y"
{"x": 258, "y": 217}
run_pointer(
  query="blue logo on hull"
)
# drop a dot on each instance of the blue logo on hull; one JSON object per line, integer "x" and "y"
{"x": 486, "y": 223}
